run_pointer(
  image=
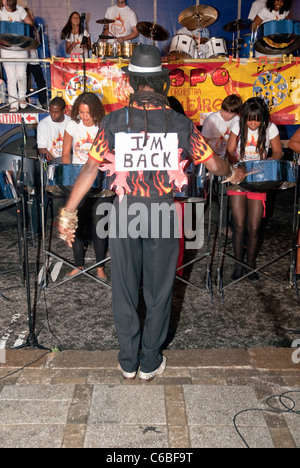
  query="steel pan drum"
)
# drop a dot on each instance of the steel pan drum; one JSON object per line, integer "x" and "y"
{"x": 61, "y": 179}
{"x": 275, "y": 37}
{"x": 17, "y": 36}
{"x": 196, "y": 189}
{"x": 268, "y": 175}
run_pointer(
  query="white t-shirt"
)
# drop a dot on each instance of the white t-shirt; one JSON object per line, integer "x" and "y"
{"x": 266, "y": 15}
{"x": 83, "y": 139}
{"x": 78, "y": 49}
{"x": 18, "y": 15}
{"x": 50, "y": 135}
{"x": 255, "y": 9}
{"x": 125, "y": 20}
{"x": 216, "y": 131}
{"x": 250, "y": 151}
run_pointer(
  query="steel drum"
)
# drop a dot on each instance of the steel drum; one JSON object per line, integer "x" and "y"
{"x": 17, "y": 36}
{"x": 275, "y": 37}
{"x": 268, "y": 175}
{"x": 196, "y": 189}
{"x": 8, "y": 192}
{"x": 61, "y": 179}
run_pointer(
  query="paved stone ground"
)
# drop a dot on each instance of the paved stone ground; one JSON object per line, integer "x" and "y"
{"x": 78, "y": 399}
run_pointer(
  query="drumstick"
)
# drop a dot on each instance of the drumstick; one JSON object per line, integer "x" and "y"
{"x": 246, "y": 175}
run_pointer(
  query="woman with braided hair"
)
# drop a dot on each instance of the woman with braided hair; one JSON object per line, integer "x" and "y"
{"x": 150, "y": 252}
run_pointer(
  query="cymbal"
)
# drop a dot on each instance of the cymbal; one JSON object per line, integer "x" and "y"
{"x": 198, "y": 16}
{"x": 153, "y": 31}
{"x": 105, "y": 21}
{"x": 237, "y": 25}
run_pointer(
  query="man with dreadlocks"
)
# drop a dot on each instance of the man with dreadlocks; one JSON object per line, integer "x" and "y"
{"x": 149, "y": 122}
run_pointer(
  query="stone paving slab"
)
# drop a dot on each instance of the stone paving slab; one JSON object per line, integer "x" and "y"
{"x": 79, "y": 399}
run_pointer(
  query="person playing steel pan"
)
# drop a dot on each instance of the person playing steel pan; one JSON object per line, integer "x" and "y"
{"x": 86, "y": 116}
{"x": 250, "y": 140}
{"x": 51, "y": 130}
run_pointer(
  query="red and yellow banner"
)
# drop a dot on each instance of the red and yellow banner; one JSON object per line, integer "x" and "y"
{"x": 200, "y": 86}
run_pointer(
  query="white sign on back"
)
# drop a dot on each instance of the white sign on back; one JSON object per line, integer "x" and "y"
{"x": 160, "y": 153}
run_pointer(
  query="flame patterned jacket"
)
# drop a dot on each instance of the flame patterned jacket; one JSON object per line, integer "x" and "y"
{"x": 151, "y": 184}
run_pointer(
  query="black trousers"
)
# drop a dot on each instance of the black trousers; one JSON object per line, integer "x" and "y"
{"x": 136, "y": 255}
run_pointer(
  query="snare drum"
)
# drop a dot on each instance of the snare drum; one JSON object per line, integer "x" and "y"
{"x": 196, "y": 189}
{"x": 182, "y": 47}
{"x": 61, "y": 179}
{"x": 216, "y": 47}
{"x": 8, "y": 193}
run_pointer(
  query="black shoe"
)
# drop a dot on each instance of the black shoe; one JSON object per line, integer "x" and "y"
{"x": 238, "y": 272}
{"x": 254, "y": 276}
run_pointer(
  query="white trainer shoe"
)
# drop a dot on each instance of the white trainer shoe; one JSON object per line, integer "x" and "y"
{"x": 147, "y": 377}
{"x": 127, "y": 375}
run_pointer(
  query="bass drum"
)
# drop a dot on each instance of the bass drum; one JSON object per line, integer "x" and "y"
{"x": 182, "y": 47}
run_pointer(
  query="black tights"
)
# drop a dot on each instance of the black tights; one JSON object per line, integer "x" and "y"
{"x": 247, "y": 217}
{"x": 87, "y": 231}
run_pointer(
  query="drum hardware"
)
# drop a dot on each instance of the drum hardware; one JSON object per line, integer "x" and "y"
{"x": 153, "y": 31}
{"x": 198, "y": 15}
{"x": 237, "y": 26}
{"x": 9, "y": 197}
{"x": 260, "y": 176}
{"x": 198, "y": 192}
{"x": 105, "y": 21}
{"x": 278, "y": 37}
{"x": 52, "y": 181}
{"x": 32, "y": 339}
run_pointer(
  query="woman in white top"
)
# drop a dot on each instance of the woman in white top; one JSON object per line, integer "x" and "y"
{"x": 76, "y": 39}
{"x": 15, "y": 71}
{"x": 86, "y": 116}
{"x": 275, "y": 10}
{"x": 250, "y": 140}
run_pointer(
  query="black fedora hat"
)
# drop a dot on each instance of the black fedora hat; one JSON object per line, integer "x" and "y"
{"x": 146, "y": 61}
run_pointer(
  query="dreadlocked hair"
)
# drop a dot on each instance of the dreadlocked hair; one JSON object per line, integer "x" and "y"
{"x": 145, "y": 99}
{"x": 255, "y": 109}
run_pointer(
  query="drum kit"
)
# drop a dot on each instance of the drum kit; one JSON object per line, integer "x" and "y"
{"x": 272, "y": 38}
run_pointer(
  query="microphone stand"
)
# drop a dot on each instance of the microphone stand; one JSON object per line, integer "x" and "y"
{"x": 32, "y": 341}
{"x": 84, "y": 41}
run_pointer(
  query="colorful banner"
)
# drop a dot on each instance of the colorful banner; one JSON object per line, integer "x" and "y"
{"x": 200, "y": 86}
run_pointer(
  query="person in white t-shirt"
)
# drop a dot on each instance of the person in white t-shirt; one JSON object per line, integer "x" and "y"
{"x": 216, "y": 131}
{"x": 86, "y": 116}
{"x": 77, "y": 38}
{"x": 250, "y": 140}
{"x": 15, "y": 71}
{"x": 275, "y": 10}
{"x": 124, "y": 27}
{"x": 218, "y": 125}
{"x": 256, "y": 7}
{"x": 50, "y": 131}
